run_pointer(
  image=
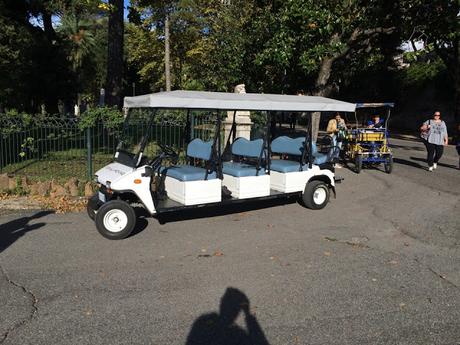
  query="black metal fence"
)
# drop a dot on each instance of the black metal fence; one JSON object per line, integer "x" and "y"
{"x": 55, "y": 148}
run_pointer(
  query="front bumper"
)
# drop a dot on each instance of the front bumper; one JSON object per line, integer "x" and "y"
{"x": 94, "y": 202}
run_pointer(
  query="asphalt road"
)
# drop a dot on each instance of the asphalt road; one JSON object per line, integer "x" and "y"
{"x": 380, "y": 265}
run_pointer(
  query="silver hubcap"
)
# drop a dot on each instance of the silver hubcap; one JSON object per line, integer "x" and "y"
{"x": 115, "y": 220}
{"x": 319, "y": 196}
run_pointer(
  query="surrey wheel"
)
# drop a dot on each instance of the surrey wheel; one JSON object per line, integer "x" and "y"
{"x": 358, "y": 163}
{"x": 115, "y": 220}
{"x": 389, "y": 164}
{"x": 316, "y": 195}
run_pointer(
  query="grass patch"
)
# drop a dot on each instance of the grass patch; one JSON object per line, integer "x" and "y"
{"x": 58, "y": 166}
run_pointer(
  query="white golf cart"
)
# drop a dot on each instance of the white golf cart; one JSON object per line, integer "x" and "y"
{"x": 214, "y": 174}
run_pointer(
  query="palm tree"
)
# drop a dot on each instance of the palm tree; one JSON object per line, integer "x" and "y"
{"x": 81, "y": 41}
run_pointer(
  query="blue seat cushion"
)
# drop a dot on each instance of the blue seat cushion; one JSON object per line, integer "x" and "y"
{"x": 321, "y": 158}
{"x": 188, "y": 173}
{"x": 241, "y": 169}
{"x": 284, "y": 165}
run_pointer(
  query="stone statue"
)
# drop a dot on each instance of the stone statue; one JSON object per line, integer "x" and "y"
{"x": 243, "y": 119}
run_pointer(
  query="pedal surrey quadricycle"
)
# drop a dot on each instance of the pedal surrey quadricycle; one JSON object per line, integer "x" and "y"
{"x": 366, "y": 144}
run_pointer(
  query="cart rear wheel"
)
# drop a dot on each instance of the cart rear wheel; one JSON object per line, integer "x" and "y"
{"x": 358, "y": 163}
{"x": 316, "y": 195}
{"x": 389, "y": 164}
{"x": 115, "y": 220}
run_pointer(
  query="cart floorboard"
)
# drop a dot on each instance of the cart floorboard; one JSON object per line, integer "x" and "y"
{"x": 168, "y": 205}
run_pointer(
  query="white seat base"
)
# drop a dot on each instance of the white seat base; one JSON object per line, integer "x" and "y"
{"x": 289, "y": 182}
{"x": 193, "y": 192}
{"x": 247, "y": 186}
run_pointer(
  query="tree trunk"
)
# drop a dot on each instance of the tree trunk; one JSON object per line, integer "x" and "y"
{"x": 48, "y": 26}
{"x": 321, "y": 89}
{"x": 167, "y": 55}
{"x": 322, "y": 80}
{"x": 114, "y": 82}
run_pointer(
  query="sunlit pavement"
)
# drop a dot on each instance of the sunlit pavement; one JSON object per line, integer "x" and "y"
{"x": 380, "y": 265}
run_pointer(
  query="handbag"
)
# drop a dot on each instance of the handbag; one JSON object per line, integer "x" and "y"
{"x": 424, "y": 134}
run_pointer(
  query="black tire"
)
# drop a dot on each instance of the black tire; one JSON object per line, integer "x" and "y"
{"x": 389, "y": 164}
{"x": 358, "y": 163}
{"x": 91, "y": 211}
{"x": 310, "y": 195}
{"x": 112, "y": 212}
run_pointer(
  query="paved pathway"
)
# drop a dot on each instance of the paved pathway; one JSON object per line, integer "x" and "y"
{"x": 380, "y": 265}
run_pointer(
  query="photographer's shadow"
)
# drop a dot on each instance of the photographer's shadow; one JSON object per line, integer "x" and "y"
{"x": 221, "y": 329}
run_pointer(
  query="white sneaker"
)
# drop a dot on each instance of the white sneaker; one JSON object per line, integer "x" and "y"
{"x": 430, "y": 169}
{"x": 338, "y": 166}
{"x": 435, "y": 165}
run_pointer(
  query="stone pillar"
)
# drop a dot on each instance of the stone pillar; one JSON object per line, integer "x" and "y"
{"x": 243, "y": 120}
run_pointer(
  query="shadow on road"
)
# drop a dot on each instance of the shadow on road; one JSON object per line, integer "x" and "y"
{"x": 13, "y": 230}
{"x": 408, "y": 163}
{"x": 141, "y": 221}
{"x": 221, "y": 328}
{"x": 221, "y": 210}
{"x": 440, "y": 164}
{"x": 407, "y": 148}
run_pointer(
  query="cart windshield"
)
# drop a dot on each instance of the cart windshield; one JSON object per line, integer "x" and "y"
{"x": 135, "y": 133}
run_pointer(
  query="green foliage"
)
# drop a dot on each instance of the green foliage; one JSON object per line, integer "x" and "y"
{"x": 145, "y": 55}
{"x": 271, "y": 46}
{"x": 420, "y": 73}
{"x": 111, "y": 117}
{"x": 27, "y": 146}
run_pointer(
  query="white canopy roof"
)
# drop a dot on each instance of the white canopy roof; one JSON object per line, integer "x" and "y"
{"x": 236, "y": 101}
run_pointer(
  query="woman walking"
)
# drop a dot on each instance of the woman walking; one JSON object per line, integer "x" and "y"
{"x": 434, "y": 135}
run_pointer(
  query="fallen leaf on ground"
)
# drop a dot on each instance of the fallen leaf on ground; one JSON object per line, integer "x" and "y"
{"x": 402, "y": 305}
{"x": 331, "y": 239}
{"x": 62, "y": 204}
{"x": 218, "y": 253}
{"x": 327, "y": 253}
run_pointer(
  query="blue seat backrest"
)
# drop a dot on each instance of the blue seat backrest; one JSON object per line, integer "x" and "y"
{"x": 314, "y": 149}
{"x": 246, "y": 148}
{"x": 332, "y": 153}
{"x": 288, "y": 145}
{"x": 200, "y": 149}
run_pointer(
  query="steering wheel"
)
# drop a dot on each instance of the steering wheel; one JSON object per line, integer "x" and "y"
{"x": 167, "y": 150}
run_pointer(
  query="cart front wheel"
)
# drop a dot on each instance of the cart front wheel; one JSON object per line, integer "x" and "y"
{"x": 358, "y": 163}
{"x": 389, "y": 164}
{"x": 115, "y": 220}
{"x": 316, "y": 195}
